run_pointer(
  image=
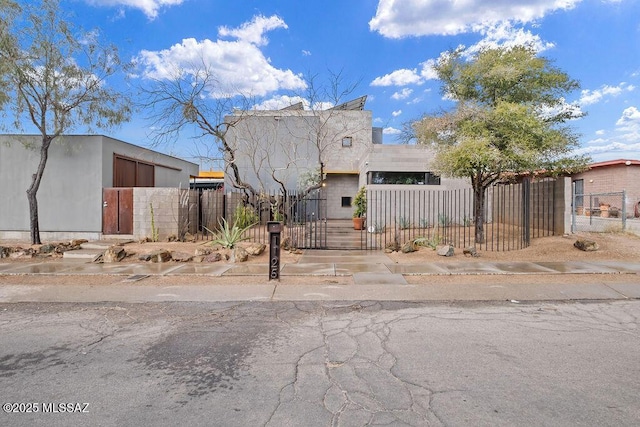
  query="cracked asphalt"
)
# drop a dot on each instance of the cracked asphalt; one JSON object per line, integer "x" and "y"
{"x": 323, "y": 363}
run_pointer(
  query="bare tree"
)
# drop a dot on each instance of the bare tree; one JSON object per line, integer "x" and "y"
{"x": 57, "y": 79}
{"x": 253, "y": 150}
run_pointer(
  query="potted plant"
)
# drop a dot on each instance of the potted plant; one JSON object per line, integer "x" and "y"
{"x": 360, "y": 211}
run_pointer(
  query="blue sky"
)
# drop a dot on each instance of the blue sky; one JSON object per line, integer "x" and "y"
{"x": 388, "y": 46}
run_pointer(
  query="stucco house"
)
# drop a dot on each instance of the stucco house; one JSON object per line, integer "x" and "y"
{"x": 279, "y": 148}
{"x": 80, "y": 194}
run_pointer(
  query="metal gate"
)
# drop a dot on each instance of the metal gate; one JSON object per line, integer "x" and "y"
{"x": 307, "y": 220}
{"x": 117, "y": 211}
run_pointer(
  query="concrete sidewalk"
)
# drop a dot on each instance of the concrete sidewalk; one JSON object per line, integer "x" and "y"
{"x": 374, "y": 276}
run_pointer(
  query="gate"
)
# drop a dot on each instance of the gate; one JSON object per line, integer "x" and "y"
{"x": 117, "y": 211}
{"x": 307, "y": 220}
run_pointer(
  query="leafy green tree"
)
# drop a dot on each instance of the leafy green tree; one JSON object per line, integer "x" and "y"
{"x": 55, "y": 78}
{"x": 509, "y": 117}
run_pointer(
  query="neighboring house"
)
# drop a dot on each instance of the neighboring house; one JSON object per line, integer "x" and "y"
{"x": 606, "y": 177}
{"x": 70, "y": 199}
{"x": 280, "y": 148}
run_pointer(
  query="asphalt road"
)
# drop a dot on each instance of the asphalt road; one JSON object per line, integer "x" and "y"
{"x": 320, "y": 364}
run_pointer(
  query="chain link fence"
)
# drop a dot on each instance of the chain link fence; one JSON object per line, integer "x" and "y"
{"x": 599, "y": 212}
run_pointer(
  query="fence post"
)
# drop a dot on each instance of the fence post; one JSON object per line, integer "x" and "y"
{"x": 526, "y": 211}
{"x": 574, "y": 208}
{"x": 624, "y": 210}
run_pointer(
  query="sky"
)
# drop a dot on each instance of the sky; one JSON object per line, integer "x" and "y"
{"x": 388, "y": 47}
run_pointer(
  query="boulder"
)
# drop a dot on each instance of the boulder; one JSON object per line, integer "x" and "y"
{"x": 47, "y": 248}
{"x": 393, "y": 246}
{"x": 77, "y": 242}
{"x": 161, "y": 255}
{"x": 255, "y": 249}
{"x": 202, "y": 251}
{"x": 409, "y": 247}
{"x": 181, "y": 256}
{"x": 144, "y": 257}
{"x": 239, "y": 254}
{"x": 114, "y": 254}
{"x": 470, "y": 252}
{"x": 444, "y": 250}
{"x": 214, "y": 257}
{"x": 586, "y": 245}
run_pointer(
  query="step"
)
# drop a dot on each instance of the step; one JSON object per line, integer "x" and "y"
{"x": 82, "y": 254}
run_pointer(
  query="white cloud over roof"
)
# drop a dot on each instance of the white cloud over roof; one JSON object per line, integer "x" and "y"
{"x": 239, "y": 66}
{"x": 406, "y": 18}
{"x": 148, "y": 7}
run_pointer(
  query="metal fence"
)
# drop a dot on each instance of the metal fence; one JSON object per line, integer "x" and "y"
{"x": 203, "y": 212}
{"x": 599, "y": 212}
{"x": 513, "y": 214}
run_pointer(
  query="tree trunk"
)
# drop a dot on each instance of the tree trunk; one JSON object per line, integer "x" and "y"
{"x": 478, "y": 212}
{"x": 32, "y": 191}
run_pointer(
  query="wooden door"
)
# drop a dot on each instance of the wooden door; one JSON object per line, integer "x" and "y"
{"x": 117, "y": 211}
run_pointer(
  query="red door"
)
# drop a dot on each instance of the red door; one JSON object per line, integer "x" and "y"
{"x": 117, "y": 211}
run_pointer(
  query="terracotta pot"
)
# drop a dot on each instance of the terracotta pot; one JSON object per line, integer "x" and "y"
{"x": 358, "y": 223}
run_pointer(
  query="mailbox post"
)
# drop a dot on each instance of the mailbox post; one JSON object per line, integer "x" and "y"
{"x": 274, "y": 228}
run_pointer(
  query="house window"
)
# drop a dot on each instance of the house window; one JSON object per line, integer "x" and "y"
{"x": 407, "y": 178}
{"x": 346, "y": 202}
{"x": 347, "y": 141}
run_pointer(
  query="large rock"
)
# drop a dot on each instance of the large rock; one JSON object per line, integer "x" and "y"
{"x": 255, "y": 249}
{"x": 214, "y": 257}
{"x": 202, "y": 251}
{"x": 470, "y": 252}
{"x": 239, "y": 254}
{"x": 409, "y": 247}
{"x": 181, "y": 256}
{"x": 444, "y": 250}
{"x": 47, "y": 248}
{"x": 4, "y": 252}
{"x": 161, "y": 255}
{"x": 114, "y": 254}
{"x": 586, "y": 245}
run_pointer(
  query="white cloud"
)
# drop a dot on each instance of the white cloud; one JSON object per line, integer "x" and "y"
{"x": 600, "y": 132}
{"x": 396, "y": 113}
{"x": 589, "y": 97}
{"x": 280, "y": 102}
{"x": 306, "y": 53}
{"x": 391, "y": 131}
{"x": 400, "y": 77}
{"x": 403, "y": 94}
{"x": 629, "y": 121}
{"x": 148, "y": 7}
{"x": 405, "y": 18}
{"x": 505, "y": 34}
{"x": 624, "y": 143}
{"x": 253, "y": 32}
{"x": 239, "y": 66}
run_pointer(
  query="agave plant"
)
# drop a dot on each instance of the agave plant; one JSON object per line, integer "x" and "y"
{"x": 228, "y": 237}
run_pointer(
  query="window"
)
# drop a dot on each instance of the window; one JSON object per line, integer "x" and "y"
{"x": 347, "y": 141}
{"x": 407, "y": 178}
{"x": 346, "y": 202}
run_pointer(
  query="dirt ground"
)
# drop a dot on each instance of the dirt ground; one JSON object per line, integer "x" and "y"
{"x": 612, "y": 246}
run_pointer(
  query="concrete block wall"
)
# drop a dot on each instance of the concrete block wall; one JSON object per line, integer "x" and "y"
{"x": 338, "y": 186}
{"x": 165, "y": 203}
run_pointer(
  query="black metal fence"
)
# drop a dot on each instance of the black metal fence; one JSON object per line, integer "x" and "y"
{"x": 513, "y": 214}
{"x": 303, "y": 215}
